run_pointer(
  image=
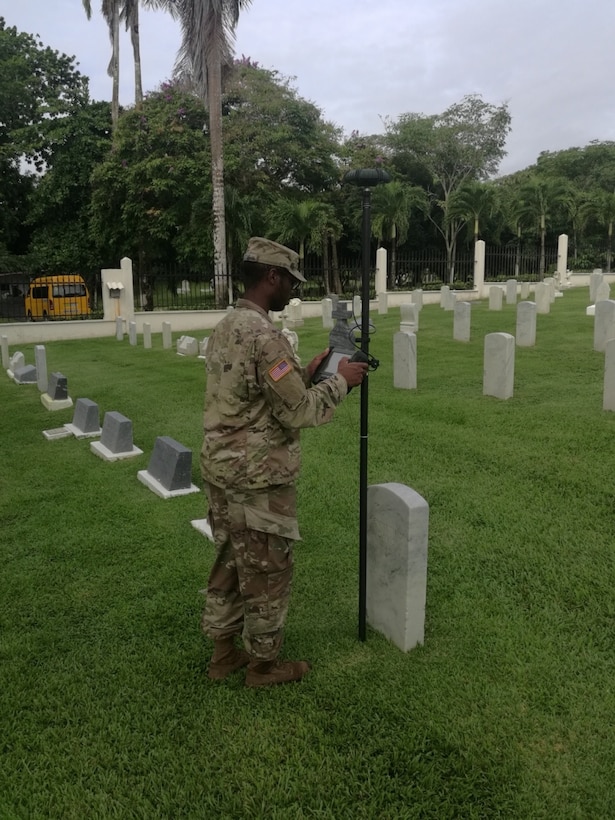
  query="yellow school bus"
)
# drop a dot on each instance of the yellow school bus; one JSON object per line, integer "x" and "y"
{"x": 57, "y": 297}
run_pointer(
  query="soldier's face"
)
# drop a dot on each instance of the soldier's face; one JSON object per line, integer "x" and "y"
{"x": 283, "y": 291}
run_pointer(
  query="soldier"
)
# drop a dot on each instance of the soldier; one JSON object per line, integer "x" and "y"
{"x": 257, "y": 400}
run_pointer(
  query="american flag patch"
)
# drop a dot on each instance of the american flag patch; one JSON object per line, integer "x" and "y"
{"x": 279, "y": 370}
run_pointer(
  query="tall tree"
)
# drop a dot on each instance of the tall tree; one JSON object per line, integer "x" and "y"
{"x": 208, "y": 30}
{"x": 465, "y": 142}
{"x": 110, "y": 10}
{"x": 539, "y": 197}
{"x": 601, "y": 206}
{"x": 39, "y": 88}
{"x": 474, "y": 202}
{"x": 302, "y": 222}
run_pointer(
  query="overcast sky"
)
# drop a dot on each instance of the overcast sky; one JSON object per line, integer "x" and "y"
{"x": 552, "y": 61}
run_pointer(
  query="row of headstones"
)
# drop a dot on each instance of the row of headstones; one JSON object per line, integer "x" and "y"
{"x": 170, "y": 466}
{"x": 499, "y": 350}
{"x": 53, "y": 388}
{"x": 526, "y": 321}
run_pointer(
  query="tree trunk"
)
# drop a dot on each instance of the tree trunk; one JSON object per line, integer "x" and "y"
{"x": 326, "y": 267}
{"x": 337, "y": 285}
{"x": 543, "y": 232}
{"x": 301, "y": 255}
{"x": 609, "y": 248}
{"x": 136, "y": 51}
{"x": 115, "y": 65}
{"x": 518, "y": 255}
{"x": 214, "y": 94}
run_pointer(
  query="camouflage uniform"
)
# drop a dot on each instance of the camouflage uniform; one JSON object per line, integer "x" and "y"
{"x": 257, "y": 399}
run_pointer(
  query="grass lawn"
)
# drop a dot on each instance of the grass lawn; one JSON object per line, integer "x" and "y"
{"x": 507, "y": 711}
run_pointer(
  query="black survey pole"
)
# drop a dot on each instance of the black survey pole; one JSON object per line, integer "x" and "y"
{"x": 365, "y": 178}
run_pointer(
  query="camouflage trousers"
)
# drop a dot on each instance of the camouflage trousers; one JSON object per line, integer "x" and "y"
{"x": 249, "y": 584}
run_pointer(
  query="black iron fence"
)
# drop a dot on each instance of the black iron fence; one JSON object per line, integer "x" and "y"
{"x": 524, "y": 264}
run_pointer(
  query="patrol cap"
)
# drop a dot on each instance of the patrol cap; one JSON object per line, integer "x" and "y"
{"x": 268, "y": 252}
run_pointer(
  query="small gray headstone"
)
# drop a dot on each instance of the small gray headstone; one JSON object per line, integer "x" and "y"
{"x": 525, "y": 290}
{"x": 25, "y": 374}
{"x": 86, "y": 418}
{"x": 116, "y": 438}
{"x": 595, "y": 279}
{"x": 116, "y": 433}
{"x": 511, "y": 292}
{"x": 444, "y": 297}
{"x": 147, "y": 335}
{"x": 132, "y": 333}
{"x": 119, "y": 328}
{"x": 383, "y": 303}
{"x": 357, "y": 305}
{"x": 57, "y": 389}
{"x": 171, "y": 464}
{"x": 169, "y": 470}
{"x": 417, "y": 297}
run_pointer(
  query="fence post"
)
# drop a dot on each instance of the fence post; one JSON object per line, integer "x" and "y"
{"x": 381, "y": 271}
{"x": 479, "y": 266}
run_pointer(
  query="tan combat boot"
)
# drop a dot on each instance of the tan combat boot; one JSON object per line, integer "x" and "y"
{"x": 269, "y": 673}
{"x": 226, "y": 659}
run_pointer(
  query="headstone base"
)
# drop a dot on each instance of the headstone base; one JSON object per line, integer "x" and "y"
{"x": 77, "y": 433}
{"x": 55, "y": 404}
{"x": 56, "y": 432}
{"x": 108, "y": 455}
{"x": 590, "y": 310}
{"x": 156, "y": 487}
{"x": 203, "y": 526}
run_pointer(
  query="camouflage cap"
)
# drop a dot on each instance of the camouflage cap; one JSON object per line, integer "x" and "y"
{"x": 268, "y": 252}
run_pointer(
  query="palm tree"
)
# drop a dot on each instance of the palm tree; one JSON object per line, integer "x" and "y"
{"x": 111, "y": 12}
{"x": 538, "y": 199}
{"x": 392, "y": 206}
{"x": 208, "y": 29}
{"x": 129, "y": 14}
{"x": 474, "y": 201}
{"x": 299, "y": 222}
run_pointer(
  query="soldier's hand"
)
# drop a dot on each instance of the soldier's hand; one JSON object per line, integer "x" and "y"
{"x": 313, "y": 365}
{"x": 353, "y": 372}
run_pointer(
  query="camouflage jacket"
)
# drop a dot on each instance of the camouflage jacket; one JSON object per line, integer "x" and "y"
{"x": 256, "y": 400}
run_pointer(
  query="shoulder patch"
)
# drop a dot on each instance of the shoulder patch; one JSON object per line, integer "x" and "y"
{"x": 279, "y": 370}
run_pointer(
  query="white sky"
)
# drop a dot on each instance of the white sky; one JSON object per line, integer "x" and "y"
{"x": 553, "y": 61}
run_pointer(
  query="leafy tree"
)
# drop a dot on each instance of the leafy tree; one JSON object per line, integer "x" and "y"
{"x": 150, "y": 195}
{"x": 274, "y": 139}
{"x": 465, "y": 142}
{"x": 39, "y": 87}
{"x": 60, "y": 203}
{"x": 208, "y": 28}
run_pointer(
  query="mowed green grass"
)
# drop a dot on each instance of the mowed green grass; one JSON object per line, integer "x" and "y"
{"x": 507, "y": 710}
